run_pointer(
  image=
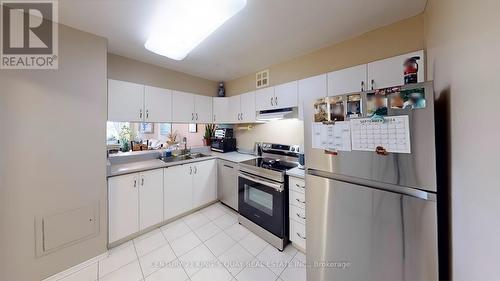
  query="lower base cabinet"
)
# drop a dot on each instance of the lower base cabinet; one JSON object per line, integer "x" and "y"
{"x": 123, "y": 206}
{"x": 177, "y": 190}
{"x": 297, "y": 212}
{"x": 141, "y": 200}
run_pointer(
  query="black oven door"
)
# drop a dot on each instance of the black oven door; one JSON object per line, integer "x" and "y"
{"x": 263, "y": 202}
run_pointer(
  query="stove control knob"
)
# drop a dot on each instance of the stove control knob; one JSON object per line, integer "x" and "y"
{"x": 292, "y": 149}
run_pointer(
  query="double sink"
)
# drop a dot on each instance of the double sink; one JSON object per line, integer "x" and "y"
{"x": 183, "y": 157}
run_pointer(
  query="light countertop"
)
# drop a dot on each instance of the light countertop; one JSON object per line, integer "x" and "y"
{"x": 151, "y": 164}
{"x": 234, "y": 156}
{"x": 296, "y": 172}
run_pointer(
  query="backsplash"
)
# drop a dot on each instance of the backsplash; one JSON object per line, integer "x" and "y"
{"x": 288, "y": 131}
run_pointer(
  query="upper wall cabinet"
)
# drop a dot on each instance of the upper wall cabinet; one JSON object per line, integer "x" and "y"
{"x": 280, "y": 96}
{"x": 264, "y": 99}
{"x": 349, "y": 80}
{"x": 247, "y": 112}
{"x": 125, "y": 101}
{"x": 202, "y": 109}
{"x": 234, "y": 109}
{"x": 389, "y": 72}
{"x": 286, "y": 95}
{"x": 310, "y": 89}
{"x": 220, "y": 110}
{"x": 183, "y": 107}
{"x": 157, "y": 104}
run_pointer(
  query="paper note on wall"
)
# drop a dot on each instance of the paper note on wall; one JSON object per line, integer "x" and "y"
{"x": 331, "y": 136}
{"x": 392, "y": 133}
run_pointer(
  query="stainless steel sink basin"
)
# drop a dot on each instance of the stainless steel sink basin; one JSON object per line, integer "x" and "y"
{"x": 183, "y": 157}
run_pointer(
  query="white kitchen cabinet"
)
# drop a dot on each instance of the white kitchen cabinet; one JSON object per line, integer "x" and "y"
{"x": 220, "y": 110}
{"x": 177, "y": 190}
{"x": 150, "y": 198}
{"x": 125, "y": 101}
{"x": 264, "y": 99}
{"x": 157, "y": 104}
{"x": 123, "y": 206}
{"x": 247, "y": 101}
{"x": 390, "y": 72}
{"x": 183, "y": 107}
{"x": 204, "y": 182}
{"x": 286, "y": 95}
{"x": 297, "y": 212}
{"x": 349, "y": 80}
{"x": 234, "y": 109}
{"x": 203, "y": 109}
{"x": 311, "y": 89}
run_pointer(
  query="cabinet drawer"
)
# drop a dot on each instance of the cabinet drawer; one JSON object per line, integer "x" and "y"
{"x": 298, "y": 233}
{"x": 297, "y": 214}
{"x": 298, "y": 199}
{"x": 297, "y": 184}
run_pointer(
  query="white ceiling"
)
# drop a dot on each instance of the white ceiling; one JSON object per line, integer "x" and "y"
{"x": 264, "y": 33}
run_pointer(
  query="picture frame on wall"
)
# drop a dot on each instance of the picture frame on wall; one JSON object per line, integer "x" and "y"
{"x": 192, "y": 128}
{"x": 147, "y": 128}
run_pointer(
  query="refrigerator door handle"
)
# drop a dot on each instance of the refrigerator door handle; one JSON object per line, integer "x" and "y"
{"x": 417, "y": 193}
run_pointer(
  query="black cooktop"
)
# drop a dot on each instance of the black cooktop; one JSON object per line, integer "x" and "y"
{"x": 271, "y": 164}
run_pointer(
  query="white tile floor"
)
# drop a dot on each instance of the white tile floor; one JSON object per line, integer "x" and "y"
{"x": 206, "y": 245}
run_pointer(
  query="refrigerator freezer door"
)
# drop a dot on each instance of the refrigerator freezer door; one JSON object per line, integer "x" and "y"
{"x": 416, "y": 170}
{"x": 360, "y": 233}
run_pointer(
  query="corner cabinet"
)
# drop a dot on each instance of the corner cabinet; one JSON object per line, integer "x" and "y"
{"x": 220, "y": 107}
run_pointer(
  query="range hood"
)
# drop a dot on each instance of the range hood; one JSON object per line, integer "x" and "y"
{"x": 278, "y": 114}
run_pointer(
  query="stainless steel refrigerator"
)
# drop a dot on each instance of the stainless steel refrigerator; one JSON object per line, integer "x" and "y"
{"x": 372, "y": 216}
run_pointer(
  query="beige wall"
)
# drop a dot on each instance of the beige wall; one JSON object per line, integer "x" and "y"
{"x": 122, "y": 68}
{"x": 290, "y": 131}
{"x": 54, "y": 159}
{"x": 398, "y": 38}
{"x": 462, "y": 40}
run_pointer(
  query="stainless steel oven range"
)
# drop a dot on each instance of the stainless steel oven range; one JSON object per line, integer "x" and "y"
{"x": 263, "y": 192}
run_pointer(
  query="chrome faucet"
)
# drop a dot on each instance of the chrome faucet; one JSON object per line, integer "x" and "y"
{"x": 185, "y": 150}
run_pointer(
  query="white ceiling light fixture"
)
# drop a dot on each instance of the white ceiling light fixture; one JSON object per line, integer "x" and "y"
{"x": 181, "y": 25}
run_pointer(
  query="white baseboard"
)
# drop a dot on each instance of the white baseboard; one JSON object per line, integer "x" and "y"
{"x": 76, "y": 268}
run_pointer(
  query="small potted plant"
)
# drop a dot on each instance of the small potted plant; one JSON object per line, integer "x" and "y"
{"x": 209, "y": 134}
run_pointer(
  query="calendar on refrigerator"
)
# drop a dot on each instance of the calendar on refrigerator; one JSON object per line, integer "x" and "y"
{"x": 392, "y": 133}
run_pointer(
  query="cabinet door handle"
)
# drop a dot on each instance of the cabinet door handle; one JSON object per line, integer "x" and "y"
{"x": 272, "y": 101}
{"x": 362, "y": 86}
{"x": 373, "y": 83}
{"x": 140, "y": 113}
{"x": 196, "y": 116}
{"x": 276, "y": 101}
{"x": 135, "y": 183}
{"x": 300, "y": 216}
{"x": 142, "y": 181}
{"x": 300, "y": 186}
{"x": 300, "y": 236}
{"x": 190, "y": 170}
{"x": 228, "y": 166}
{"x": 192, "y": 116}
{"x": 297, "y": 199}
{"x": 241, "y": 116}
{"x": 195, "y": 169}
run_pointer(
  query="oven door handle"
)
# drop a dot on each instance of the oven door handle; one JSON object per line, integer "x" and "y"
{"x": 278, "y": 187}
